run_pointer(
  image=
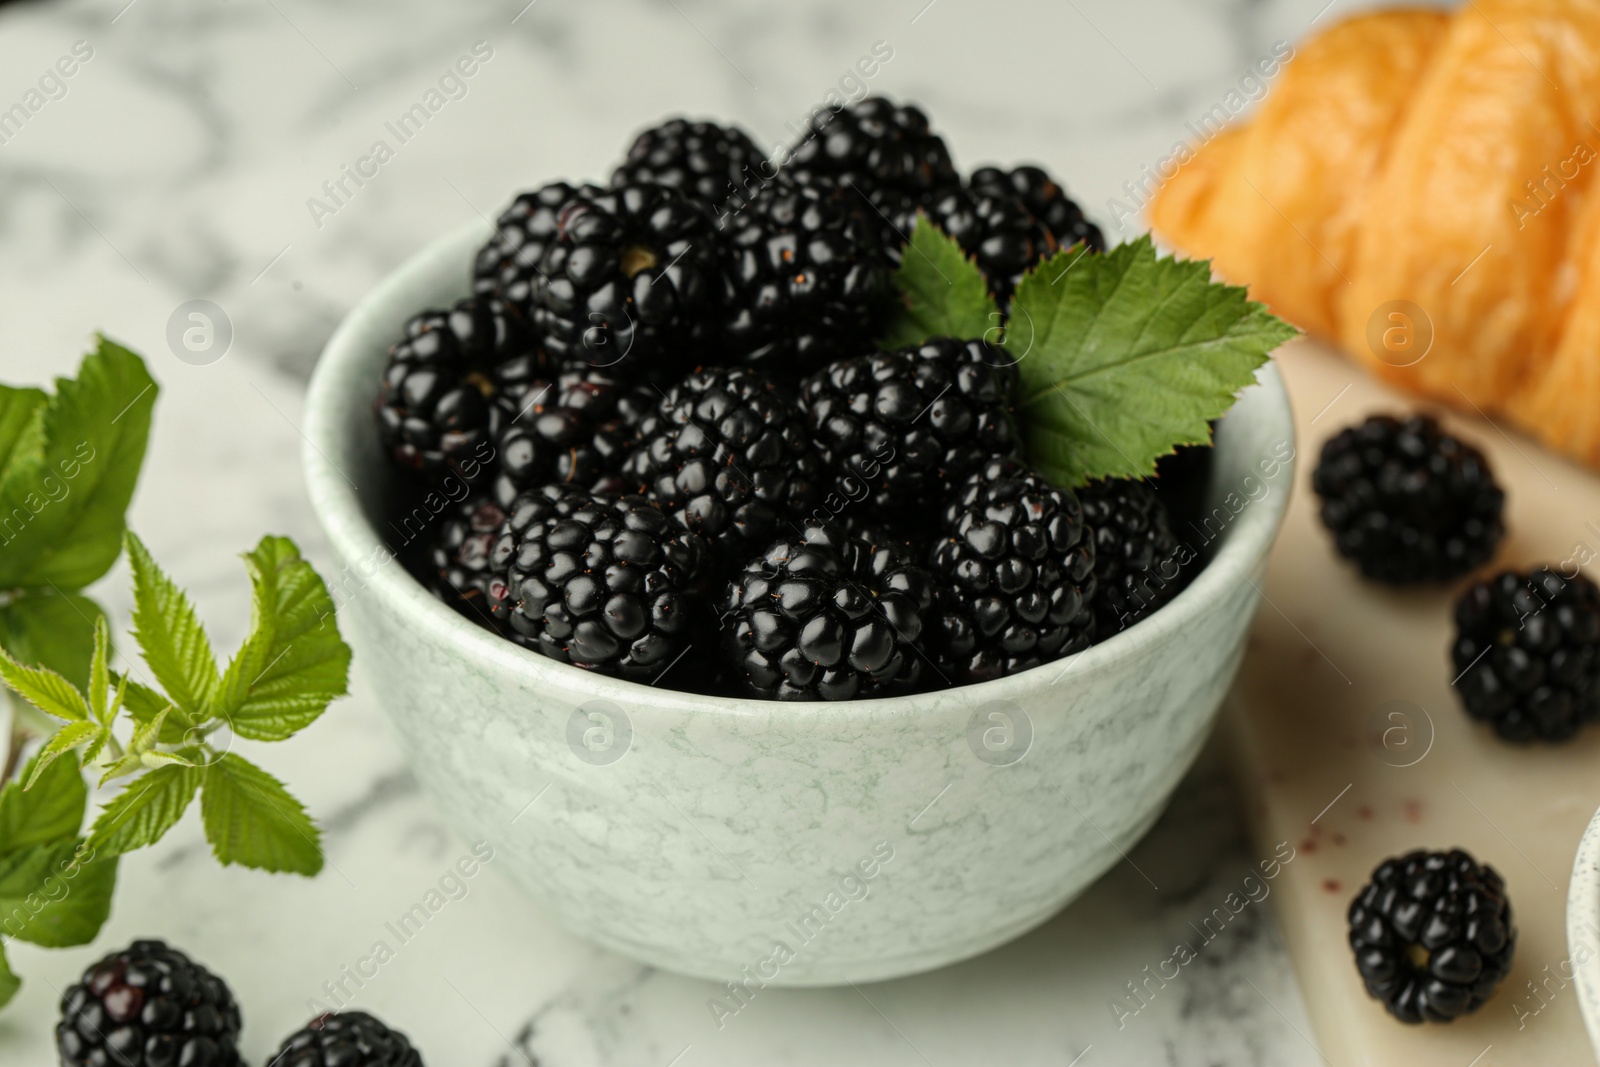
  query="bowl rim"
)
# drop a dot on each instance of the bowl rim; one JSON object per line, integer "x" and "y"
{"x": 1241, "y": 547}
{"x": 1583, "y": 926}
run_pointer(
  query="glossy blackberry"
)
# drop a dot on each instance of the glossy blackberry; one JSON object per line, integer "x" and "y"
{"x": 1137, "y": 562}
{"x": 1015, "y": 565}
{"x": 898, "y": 430}
{"x": 1407, "y": 501}
{"x": 1526, "y": 656}
{"x": 872, "y": 145}
{"x": 346, "y": 1039}
{"x": 609, "y": 584}
{"x": 806, "y": 279}
{"x": 148, "y": 1006}
{"x": 436, "y": 402}
{"x": 1432, "y": 935}
{"x": 630, "y": 281}
{"x": 457, "y": 560}
{"x": 509, "y": 264}
{"x": 995, "y": 229}
{"x": 576, "y": 428}
{"x": 1045, "y": 199}
{"x": 727, "y": 453}
{"x": 827, "y": 615}
{"x": 703, "y": 160}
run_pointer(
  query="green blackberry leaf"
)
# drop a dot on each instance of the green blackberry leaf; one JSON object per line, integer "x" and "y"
{"x": 43, "y": 628}
{"x": 61, "y": 742}
{"x": 170, "y": 635}
{"x": 151, "y": 805}
{"x": 943, "y": 294}
{"x": 48, "y": 813}
{"x": 69, "y": 471}
{"x": 55, "y": 895}
{"x": 251, "y": 819}
{"x": 144, "y": 704}
{"x": 9, "y": 982}
{"x": 1125, "y": 355}
{"x": 44, "y": 689}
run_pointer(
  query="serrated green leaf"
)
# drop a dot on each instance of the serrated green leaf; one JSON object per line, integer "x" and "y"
{"x": 1125, "y": 355}
{"x": 150, "y": 806}
{"x": 9, "y": 982}
{"x": 170, "y": 635}
{"x": 55, "y": 895}
{"x": 70, "y": 473}
{"x": 252, "y": 820}
{"x": 43, "y": 628}
{"x": 294, "y": 661}
{"x": 144, "y": 704}
{"x": 44, "y": 689}
{"x": 63, "y": 741}
{"x": 100, "y": 671}
{"x": 943, "y": 293}
{"x": 19, "y": 407}
{"x": 48, "y": 813}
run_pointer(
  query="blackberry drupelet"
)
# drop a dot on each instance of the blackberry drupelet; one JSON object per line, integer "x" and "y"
{"x": 346, "y": 1039}
{"x": 1432, "y": 935}
{"x": 828, "y": 615}
{"x": 609, "y": 584}
{"x": 437, "y": 398}
{"x": 630, "y": 281}
{"x": 806, "y": 279}
{"x": 872, "y": 145}
{"x": 1015, "y": 565}
{"x": 1407, "y": 501}
{"x": 1527, "y": 654}
{"x": 148, "y": 1005}
{"x": 576, "y": 428}
{"x": 728, "y": 455}
{"x": 456, "y": 567}
{"x": 703, "y": 160}
{"x": 1045, "y": 199}
{"x": 899, "y": 430}
{"x": 509, "y": 264}
{"x": 1137, "y": 560}
{"x": 995, "y": 229}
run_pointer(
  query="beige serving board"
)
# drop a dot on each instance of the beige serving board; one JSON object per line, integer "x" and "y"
{"x": 1351, "y": 747}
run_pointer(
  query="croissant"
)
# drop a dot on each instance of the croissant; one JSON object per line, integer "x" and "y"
{"x": 1419, "y": 189}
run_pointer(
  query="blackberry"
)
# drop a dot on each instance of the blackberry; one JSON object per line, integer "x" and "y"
{"x": 872, "y": 145}
{"x": 806, "y": 278}
{"x": 827, "y": 615}
{"x": 1136, "y": 554}
{"x": 457, "y": 564}
{"x": 899, "y": 429}
{"x": 728, "y": 455}
{"x": 346, "y": 1039}
{"x": 1407, "y": 501}
{"x": 1527, "y": 654}
{"x": 148, "y": 1005}
{"x": 436, "y": 400}
{"x": 508, "y": 265}
{"x": 576, "y": 428}
{"x": 1045, "y": 200}
{"x": 1015, "y": 562}
{"x": 703, "y": 160}
{"x": 995, "y": 229}
{"x": 629, "y": 280}
{"x": 608, "y": 584}
{"x": 1432, "y": 935}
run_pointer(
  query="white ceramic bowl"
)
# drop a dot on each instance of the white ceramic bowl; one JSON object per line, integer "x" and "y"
{"x": 791, "y": 844}
{"x": 1583, "y": 928}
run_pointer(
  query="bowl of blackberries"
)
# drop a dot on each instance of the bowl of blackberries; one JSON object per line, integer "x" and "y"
{"x": 805, "y": 565}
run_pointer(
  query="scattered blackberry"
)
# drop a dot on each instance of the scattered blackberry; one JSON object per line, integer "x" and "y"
{"x": 436, "y": 402}
{"x": 806, "y": 279}
{"x": 509, "y": 264}
{"x": 1045, "y": 199}
{"x": 1527, "y": 654}
{"x": 1015, "y": 562}
{"x": 148, "y": 1005}
{"x": 604, "y": 583}
{"x": 1136, "y": 559}
{"x": 909, "y": 425}
{"x": 346, "y": 1039}
{"x": 1432, "y": 934}
{"x": 994, "y": 228}
{"x": 1407, "y": 501}
{"x": 456, "y": 569}
{"x": 872, "y": 145}
{"x": 727, "y": 454}
{"x": 703, "y": 160}
{"x": 629, "y": 280}
{"x": 576, "y": 429}
{"x": 828, "y": 616}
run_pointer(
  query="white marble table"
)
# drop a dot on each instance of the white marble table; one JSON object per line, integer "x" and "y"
{"x": 179, "y": 164}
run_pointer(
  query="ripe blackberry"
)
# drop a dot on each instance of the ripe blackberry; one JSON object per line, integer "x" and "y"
{"x": 608, "y": 584}
{"x": 995, "y": 229}
{"x": 436, "y": 399}
{"x": 1432, "y": 935}
{"x": 806, "y": 278}
{"x": 509, "y": 264}
{"x": 872, "y": 145}
{"x": 702, "y": 160}
{"x": 728, "y": 455}
{"x": 629, "y": 280}
{"x": 456, "y": 567}
{"x": 1407, "y": 501}
{"x": 346, "y": 1039}
{"x": 148, "y": 1005}
{"x": 1136, "y": 555}
{"x": 1527, "y": 654}
{"x": 576, "y": 428}
{"x": 904, "y": 427}
{"x": 1045, "y": 199}
{"x": 827, "y": 615}
{"x": 1015, "y": 562}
